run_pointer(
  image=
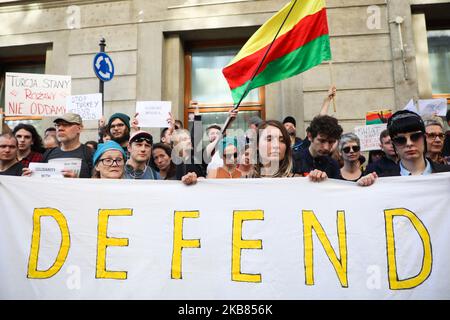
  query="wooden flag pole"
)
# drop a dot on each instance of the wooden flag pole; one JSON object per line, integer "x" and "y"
{"x": 330, "y": 64}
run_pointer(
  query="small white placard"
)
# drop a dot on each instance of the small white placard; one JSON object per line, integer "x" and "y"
{"x": 72, "y": 164}
{"x": 433, "y": 107}
{"x": 370, "y": 136}
{"x": 153, "y": 114}
{"x": 88, "y": 106}
{"x": 46, "y": 170}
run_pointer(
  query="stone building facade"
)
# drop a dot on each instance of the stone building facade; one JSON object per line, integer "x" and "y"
{"x": 148, "y": 41}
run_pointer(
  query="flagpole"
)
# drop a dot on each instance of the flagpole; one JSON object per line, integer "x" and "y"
{"x": 330, "y": 64}
{"x": 247, "y": 89}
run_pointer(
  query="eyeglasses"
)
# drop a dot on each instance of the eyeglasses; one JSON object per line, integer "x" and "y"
{"x": 352, "y": 148}
{"x": 433, "y": 136}
{"x": 401, "y": 140}
{"x": 109, "y": 162}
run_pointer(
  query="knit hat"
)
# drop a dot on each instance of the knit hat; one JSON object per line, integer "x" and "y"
{"x": 109, "y": 145}
{"x": 290, "y": 119}
{"x": 122, "y": 116}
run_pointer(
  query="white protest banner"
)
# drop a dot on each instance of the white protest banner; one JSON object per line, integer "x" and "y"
{"x": 153, "y": 114}
{"x": 46, "y": 170}
{"x": 88, "y": 106}
{"x": 370, "y": 136}
{"x": 72, "y": 164}
{"x": 433, "y": 107}
{"x": 225, "y": 239}
{"x": 36, "y": 94}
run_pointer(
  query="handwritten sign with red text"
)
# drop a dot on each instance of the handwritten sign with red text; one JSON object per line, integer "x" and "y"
{"x": 28, "y": 94}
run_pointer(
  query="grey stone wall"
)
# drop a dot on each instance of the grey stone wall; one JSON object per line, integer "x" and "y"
{"x": 145, "y": 39}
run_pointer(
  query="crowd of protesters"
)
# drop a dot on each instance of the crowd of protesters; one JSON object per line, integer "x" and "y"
{"x": 269, "y": 149}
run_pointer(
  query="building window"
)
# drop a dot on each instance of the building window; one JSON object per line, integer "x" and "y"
{"x": 206, "y": 89}
{"x": 439, "y": 54}
{"x": 25, "y": 64}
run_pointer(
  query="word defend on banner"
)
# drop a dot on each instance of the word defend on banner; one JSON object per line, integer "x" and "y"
{"x": 370, "y": 136}
{"x": 386, "y": 241}
{"x": 28, "y": 94}
{"x": 46, "y": 170}
{"x": 88, "y": 106}
{"x": 153, "y": 114}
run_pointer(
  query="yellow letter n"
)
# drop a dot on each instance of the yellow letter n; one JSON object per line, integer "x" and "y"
{"x": 310, "y": 222}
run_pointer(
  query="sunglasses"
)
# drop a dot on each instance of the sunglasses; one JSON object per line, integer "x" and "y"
{"x": 402, "y": 140}
{"x": 140, "y": 140}
{"x": 352, "y": 148}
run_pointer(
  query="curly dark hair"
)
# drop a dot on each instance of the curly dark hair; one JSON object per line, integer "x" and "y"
{"x": 325, "y": 125}
{"x": 37, "y": 145}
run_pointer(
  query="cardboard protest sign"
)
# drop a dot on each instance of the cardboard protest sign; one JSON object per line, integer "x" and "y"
{"x": 378, "y": 116}
{"x": 136, "y": 240}
{"x": 88, "y": 106}
{"x": 370, "y": 136}
{"x": 153, "y": 114}
{"x": 46, "y": 170}
{"x": 28, "y": 94}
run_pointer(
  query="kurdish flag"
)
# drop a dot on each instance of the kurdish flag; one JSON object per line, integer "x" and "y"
{"x": 302, "y": 43}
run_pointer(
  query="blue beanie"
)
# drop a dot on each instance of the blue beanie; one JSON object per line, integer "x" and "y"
{"x": 122, "y": 116}
{"x": 109, "y": 145}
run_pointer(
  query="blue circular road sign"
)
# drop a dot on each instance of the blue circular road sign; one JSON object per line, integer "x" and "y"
{"x": 103, "y": 66}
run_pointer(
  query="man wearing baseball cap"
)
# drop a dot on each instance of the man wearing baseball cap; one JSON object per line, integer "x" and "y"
{"x": 68, "y": 131}
{"x": 140, "y": 150}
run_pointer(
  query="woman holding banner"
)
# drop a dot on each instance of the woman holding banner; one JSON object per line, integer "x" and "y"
{"x": 109, "y": 161}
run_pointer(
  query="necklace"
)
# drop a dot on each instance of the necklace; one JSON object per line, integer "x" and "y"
{"x": 135, "y": 174}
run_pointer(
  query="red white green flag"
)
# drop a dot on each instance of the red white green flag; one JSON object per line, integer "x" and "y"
{"x": 302, "y": 43}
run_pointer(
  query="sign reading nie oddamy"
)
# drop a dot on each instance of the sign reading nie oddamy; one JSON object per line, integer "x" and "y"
{"x": 242, "y": 239}
{"x": 28, "y": 94}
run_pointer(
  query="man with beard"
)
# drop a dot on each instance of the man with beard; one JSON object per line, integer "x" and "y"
{"x": 119, "y": 129}
{"x": 68, "y": 131}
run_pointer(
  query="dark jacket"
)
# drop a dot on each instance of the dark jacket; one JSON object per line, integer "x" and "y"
{"x": 383, "y": 165}
{"x": 435, "y": 168}
{"x": 304, "y": 163}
